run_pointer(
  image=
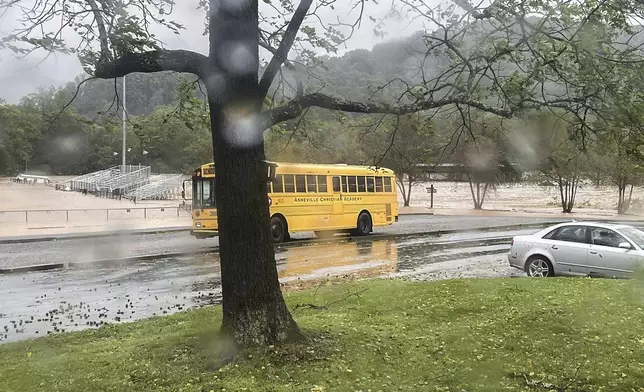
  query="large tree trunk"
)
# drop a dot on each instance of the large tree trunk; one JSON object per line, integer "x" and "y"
{"x": 254, "y": 311}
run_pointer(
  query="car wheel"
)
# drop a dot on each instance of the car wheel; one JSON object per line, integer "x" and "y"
{"x": 539, "y": 267}
{"x": 278, "y": 230}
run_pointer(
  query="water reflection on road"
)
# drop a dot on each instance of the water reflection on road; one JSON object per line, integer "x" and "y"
{"x": 36, "y": 304}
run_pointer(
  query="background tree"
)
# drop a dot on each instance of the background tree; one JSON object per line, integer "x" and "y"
{"x": 625, "y": 173}
{"x": 401, "y": 144}
{"x": 20, "y": 131}
{"x": 564, "y": 160}
{"x": 620, "y": 141}
{"x": 480, "y": 146}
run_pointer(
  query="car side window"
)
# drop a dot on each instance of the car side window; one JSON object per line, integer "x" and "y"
{"x": 551, "y": 234}
{"x": 570, "y": 234}
{"x": 606, "y": 237}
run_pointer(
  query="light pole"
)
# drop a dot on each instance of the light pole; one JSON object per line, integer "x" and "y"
{"x": 124, "y": 126}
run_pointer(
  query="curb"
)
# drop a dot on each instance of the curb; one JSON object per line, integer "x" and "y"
{"x": 303, "y": 242}
{"x": 114, "y": 233}
{"x": 103, "y": 234}
{"x": 31, "y": 268}
{"x": 415, "y": 213}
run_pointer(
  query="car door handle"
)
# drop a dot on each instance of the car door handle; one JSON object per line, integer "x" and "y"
{"x": 593, "y": 253}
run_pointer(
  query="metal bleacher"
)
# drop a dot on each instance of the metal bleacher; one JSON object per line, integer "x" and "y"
{"x": 160, "y": 187}
{"x": 133, "y": 182}
{"x": 90, "y": 181}
{"x": 125, "y": 181}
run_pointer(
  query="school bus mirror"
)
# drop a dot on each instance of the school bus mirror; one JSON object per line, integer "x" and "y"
{"x": 272, "y": 170}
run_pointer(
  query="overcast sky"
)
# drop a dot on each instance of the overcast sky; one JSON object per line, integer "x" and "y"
{"x": 19, "y": 77}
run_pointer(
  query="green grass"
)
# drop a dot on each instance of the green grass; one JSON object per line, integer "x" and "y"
{"x": 460, "y": 335}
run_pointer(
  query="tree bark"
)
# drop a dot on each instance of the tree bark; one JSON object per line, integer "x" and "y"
{"x": 477, "y": 198}
{"x": 623, "y": 203}
{"x": 410, "y": 183}
{"x": 621, "y": 189}
{"x": 482, "y": 199}
{"x": 568, "y": 191}
{"x": 400, "y": 180}
{"x": 254, "y": 311}
{"x": 561, "y": 193}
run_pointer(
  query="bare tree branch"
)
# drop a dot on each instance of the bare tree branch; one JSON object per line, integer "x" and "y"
{"x": 285, "y": 46}
{"x": 295, "y": 107}
{"x": 154, "y": 61}
{"x": 271, "y": 49}
{"x": 102, "y": 32}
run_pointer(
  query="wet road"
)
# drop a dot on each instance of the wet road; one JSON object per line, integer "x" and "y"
{"x": 91, "y": 294}
{"x": 129, "y": 245}
{"x": 87, "y": 296}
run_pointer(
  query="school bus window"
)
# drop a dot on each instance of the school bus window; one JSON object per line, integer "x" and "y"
{"x": 310, "y": 184}
{"x": 378, "y": 184}
{"x": 278, "y": 184}
{"x": 387, "y": 184}
{"x": 345, "y": 184}
{"x": 300, "y": 184}
{"x": 352, "y": 184}
{"x": 336, "y": 184}
{"x": 289, "y": 183}
{"x": 322, "y": 184}
{"x": 362, "y": 186}
{"x": 370, "y": 187}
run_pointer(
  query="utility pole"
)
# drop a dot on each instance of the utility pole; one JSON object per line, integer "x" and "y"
{"x": 124, "y": 126}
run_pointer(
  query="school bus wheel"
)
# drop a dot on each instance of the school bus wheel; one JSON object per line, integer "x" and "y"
{"x": 279, "y": 229}
{"x": 364, "y": 224}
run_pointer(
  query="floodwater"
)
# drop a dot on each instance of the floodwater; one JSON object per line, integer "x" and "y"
{"x": 88, "y": 296}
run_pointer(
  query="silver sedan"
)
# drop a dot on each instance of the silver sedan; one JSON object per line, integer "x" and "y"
{"x": 579, "y": 249}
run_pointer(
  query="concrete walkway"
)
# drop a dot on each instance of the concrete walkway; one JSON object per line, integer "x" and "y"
{"x": 134, "y": 225}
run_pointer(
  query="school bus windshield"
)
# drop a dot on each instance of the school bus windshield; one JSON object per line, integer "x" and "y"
{"x": 203, "y": 193}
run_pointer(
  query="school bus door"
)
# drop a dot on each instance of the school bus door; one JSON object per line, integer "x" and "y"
{"x": 338, "y": 210}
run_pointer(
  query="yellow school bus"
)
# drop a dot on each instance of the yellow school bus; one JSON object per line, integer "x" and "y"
{"x": 325, "y": 199}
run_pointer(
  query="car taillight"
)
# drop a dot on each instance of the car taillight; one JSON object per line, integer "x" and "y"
{"x": 512, "y": 244}
{"x": 270, "y": 201}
